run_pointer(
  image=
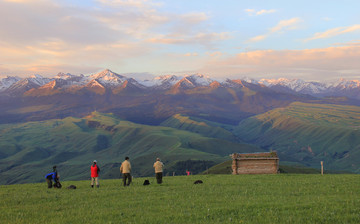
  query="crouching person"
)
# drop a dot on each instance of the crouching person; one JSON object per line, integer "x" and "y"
{"x": 53, "y": 176}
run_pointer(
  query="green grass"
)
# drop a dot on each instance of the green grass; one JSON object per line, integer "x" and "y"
{"x": 282, "y": 198}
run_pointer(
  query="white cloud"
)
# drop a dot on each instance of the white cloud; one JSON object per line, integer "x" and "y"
{"x": 263, "y": 11}
{"x": 335, "y": 32}
{"x": 282, "y": 26}
{"x": 260, "y": 12}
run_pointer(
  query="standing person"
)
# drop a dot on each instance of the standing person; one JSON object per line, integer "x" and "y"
{"x": 53, "y": 176}
{"x": 125, "y": 169}
{"x": 95, "y": 169}
{"x": 158, "y": 165}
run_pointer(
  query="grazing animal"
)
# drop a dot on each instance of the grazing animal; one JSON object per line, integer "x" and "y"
{"x": 198, "y": 182}
{"x": 71, "y": 187}
{"x": 146, "y": 182}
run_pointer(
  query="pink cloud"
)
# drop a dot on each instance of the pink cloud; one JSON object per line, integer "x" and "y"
{"x": 335, "y": 32}
{"x": 282, "y": 26}
{"x": 321, "y": 63}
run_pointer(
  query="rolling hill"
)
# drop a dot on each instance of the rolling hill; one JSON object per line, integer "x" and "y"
{"x": 308, "y": 134}
{"x": 29, "y": 150}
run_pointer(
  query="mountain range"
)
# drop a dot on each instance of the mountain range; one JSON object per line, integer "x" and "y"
{"x": 37, "y": 85}
{"x": 69, "y": 119}
{"x": 153, "y": 101}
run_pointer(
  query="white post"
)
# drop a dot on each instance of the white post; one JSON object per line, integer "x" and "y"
{"x": 322, "y": 167}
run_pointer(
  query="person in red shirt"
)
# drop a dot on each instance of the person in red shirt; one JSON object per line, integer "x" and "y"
{"x": 95, "y": 169}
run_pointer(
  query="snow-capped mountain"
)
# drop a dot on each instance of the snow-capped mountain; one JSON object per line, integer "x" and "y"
{"x": 23, "y": 85}
{"x": 338, "y": 88}
{"x": 5, "y": 83}
{"x": 296, "y": 85}
{"x": 64, "y": 76}
{"x": 115, "y": 82}
{"x": 108, "y": 78}
{"x": 346, "y": 84}
{"x": 162, "y": 82}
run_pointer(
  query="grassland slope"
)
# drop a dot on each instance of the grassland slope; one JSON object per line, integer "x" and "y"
{"x": 29, "y": 150}
{"x": 308, "y": 133}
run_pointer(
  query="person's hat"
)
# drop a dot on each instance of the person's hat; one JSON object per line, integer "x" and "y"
{"x": 95, "y": 161}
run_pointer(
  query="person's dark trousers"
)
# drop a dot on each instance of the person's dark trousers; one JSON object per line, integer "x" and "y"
{"x": 49, "y": 182}
{"x": 158, "y": 177}
{"x": 127, "y": 176}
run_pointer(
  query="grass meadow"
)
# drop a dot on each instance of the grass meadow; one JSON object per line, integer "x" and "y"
{"x": 282, "y": 198}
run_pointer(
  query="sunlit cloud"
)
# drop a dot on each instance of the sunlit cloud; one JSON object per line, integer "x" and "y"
{"x": 194, "y": 17}
{"x": 321, "y": 63}
{"x": 191, "y": 54}
{"x": 199, "y": 38}
{"x": 282, "y": 26}
{"x": 258, "y": 38}
{"x": 214, "y": 54}
{"x": 263, "y": 11}
{"x": 126, "y": 3}
{"x": 260, "y": 12}
{"x": 335, "y": 32}
{"x": 17, "y": 1}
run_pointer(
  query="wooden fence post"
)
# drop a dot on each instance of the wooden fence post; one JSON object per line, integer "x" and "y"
{"x": 322, "y": 167}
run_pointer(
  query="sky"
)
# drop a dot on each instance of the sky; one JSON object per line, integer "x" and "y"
{"x": 310, "y": 40}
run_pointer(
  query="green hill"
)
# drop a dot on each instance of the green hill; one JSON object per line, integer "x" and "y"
{"x": 201, "y": 126}
{"x": 308, "y": 134}
{"x": 29, "y": 150}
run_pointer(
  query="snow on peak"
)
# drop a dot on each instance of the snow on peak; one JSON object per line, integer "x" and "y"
{"x": 199, "y": 79}
{"x": 107, "y": 77}
{"x": 38, "y": 79}
{"x": 297, "y": 85}
{"x": 8, "y": 81}
{"x": 64, "y": 76}
{"x": 164, "y": 80}
{"x": 346, "y": 84}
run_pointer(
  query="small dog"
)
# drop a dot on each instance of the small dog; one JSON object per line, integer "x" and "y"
{"x": 146, "y": 182}
{"x": 198, "y": 182}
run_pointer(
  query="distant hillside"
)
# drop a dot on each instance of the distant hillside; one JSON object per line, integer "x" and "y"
{"x": 203, "y": 127}
{"x": 29, "y": 150}
{"x": 308, "y": 133}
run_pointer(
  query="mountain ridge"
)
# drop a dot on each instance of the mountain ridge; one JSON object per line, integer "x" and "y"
{"x": 174, "y": 84}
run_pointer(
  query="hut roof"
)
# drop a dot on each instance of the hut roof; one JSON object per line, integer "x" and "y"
{"x": 257, "y": 155}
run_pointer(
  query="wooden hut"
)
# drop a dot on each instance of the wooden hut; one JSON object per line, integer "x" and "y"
{"x": 255, "y": 163}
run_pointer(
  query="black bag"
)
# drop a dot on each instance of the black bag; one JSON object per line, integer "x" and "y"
{"x": 146, "y": 182}
{"x": 198, "y": 182}
{"x": 71, "y": 187}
